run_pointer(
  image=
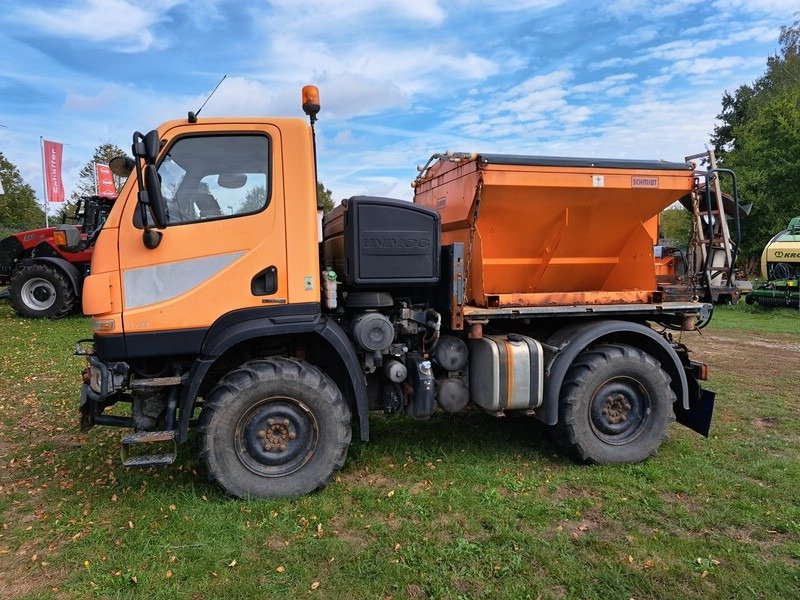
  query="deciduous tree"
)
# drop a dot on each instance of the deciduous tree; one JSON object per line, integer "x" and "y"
{"x": 324, "y": 198}
{"x": 86, "y": 184}
{"x": 19, "y": 208}
{"x": 759, "y": 138}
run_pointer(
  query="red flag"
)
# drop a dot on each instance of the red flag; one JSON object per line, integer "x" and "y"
{"x": 104, "y": 180}
{"x": 51, "y": 159}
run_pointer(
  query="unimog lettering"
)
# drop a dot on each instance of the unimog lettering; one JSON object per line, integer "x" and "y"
{"x": 393, "y": 242}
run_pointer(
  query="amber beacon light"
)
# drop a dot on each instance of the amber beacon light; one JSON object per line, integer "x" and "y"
{"x": 311, "y": 103}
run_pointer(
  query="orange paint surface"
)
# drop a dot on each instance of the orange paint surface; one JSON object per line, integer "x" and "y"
{"x": 544, "y": 235}
{"x": 284, "y": 235}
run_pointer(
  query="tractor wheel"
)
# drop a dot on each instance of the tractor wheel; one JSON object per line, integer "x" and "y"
{"x": 41, "y": 291}
{"x": 616, "y": 405}
{"x": 273, "y": 428}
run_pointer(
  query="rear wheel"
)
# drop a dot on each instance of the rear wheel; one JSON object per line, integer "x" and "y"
{"x": 41, "y": 291}
{"x": 273, "y": 428}
{"x": 616, "y": 405}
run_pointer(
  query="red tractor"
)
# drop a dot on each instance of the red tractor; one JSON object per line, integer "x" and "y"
{"x": 44, "y": 268}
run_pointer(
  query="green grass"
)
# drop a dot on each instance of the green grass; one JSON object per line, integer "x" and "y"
{"x": 456, "y": 507}
{"x": 744, "y": 317}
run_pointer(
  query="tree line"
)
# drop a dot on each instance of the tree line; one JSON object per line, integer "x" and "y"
{"x": 758, "y": 137}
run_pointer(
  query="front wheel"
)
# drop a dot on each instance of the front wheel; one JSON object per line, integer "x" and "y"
{"x": 41, "y": 291}
{"x": 615, "y": 406}
{"x": 273, "y": 428}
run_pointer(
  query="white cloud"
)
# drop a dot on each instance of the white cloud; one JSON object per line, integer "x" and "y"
{"x": 577, "y": 115}
{"x": 344, "y": 138}
{"x": 350, "y": 94}
{"x": 324, "y": 11}
{"x": 128, "y": 25}
{"x": 638, "y": 36}
{"x": 524, "y": 5}
{"x": 107, "y": 96}
{"x": 391, "y": 187}
{"x": 788, "y": 7}
{"x": 648, "y": 10}
{"x": 702, "y": 66}
{"x": 613, "y": 62}
{"x": 657, "y": 81}
{"x": 612, "y": 81}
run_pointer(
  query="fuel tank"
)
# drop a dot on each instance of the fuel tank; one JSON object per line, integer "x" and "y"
{"x": 506, "y": 372}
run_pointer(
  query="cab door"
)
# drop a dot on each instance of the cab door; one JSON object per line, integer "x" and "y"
{"x": 224, "y": 247}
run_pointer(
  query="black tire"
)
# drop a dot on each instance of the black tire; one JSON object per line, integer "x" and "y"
{"x": 41, "y": 291}
{"x": 616, "y": 405}
{"x": 273, "y": 428}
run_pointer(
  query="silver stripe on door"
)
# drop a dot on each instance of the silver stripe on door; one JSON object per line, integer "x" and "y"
{"x": 149, "y": 285}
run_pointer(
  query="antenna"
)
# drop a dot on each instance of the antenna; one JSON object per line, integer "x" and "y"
{"x": 193, "y": 115}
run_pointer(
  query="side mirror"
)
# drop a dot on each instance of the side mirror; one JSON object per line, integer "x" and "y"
{"x": 154, "y": 198}
{"x": 146, "y": 146}
{"x": 151, "y": 147}
{"x": 121, "y": 166}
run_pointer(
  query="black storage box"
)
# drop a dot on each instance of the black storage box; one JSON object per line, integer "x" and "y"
{"x": 373, "y": 241}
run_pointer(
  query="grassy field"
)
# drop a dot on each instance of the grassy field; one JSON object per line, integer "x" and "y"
{"x": 456, "y": 507}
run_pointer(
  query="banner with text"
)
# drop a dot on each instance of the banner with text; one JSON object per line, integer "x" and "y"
{"x": 51, "y": 157}
{"x": 104, "y": 180}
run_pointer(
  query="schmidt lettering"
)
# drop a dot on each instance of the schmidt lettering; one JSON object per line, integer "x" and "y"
{"x": 644, "y": 182}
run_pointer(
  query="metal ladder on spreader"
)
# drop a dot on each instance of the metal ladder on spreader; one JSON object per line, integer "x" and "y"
{"x": 715, "y": 249}
{"x": 168, "y": 436}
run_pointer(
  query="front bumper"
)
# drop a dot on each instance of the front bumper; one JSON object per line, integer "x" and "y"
{"x": 102, "y": 388}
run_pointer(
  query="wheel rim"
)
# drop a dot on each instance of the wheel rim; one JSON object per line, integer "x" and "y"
{"x": 276, "y": 437}
{"x": 619, "y": 410}
{"x": 38, "y": 293}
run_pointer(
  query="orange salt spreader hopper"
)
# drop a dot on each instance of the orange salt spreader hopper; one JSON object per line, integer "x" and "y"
{"x": 544, "y": 231}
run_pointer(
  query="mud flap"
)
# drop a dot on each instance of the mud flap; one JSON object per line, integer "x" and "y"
{"x": 698, "y": 416}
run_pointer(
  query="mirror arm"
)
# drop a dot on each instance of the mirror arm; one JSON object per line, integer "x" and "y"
{"x": 150, "y": 238}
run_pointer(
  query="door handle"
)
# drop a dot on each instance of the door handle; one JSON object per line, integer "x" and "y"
{"x": 265, "y": 282}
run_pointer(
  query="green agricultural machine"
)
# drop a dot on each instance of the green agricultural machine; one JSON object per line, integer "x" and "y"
{"x": 777, "y": 293}
{"x": 780, "y": 266}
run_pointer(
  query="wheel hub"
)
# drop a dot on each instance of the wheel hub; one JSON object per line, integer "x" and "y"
{"x": 277, "y": 434}
{"x": 619, "y": 410}
{"x": 41, "y": 293}
{"x": 276, "y": 437}
{"x": 616, "y": 408}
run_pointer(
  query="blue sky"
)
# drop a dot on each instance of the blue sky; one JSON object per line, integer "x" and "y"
{"x": 399, "y": 80}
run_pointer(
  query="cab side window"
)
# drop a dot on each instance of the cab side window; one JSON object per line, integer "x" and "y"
{"x": 215, "y": 177}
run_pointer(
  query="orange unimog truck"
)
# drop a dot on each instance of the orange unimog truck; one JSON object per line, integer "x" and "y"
{"x": 512, "y": 284}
